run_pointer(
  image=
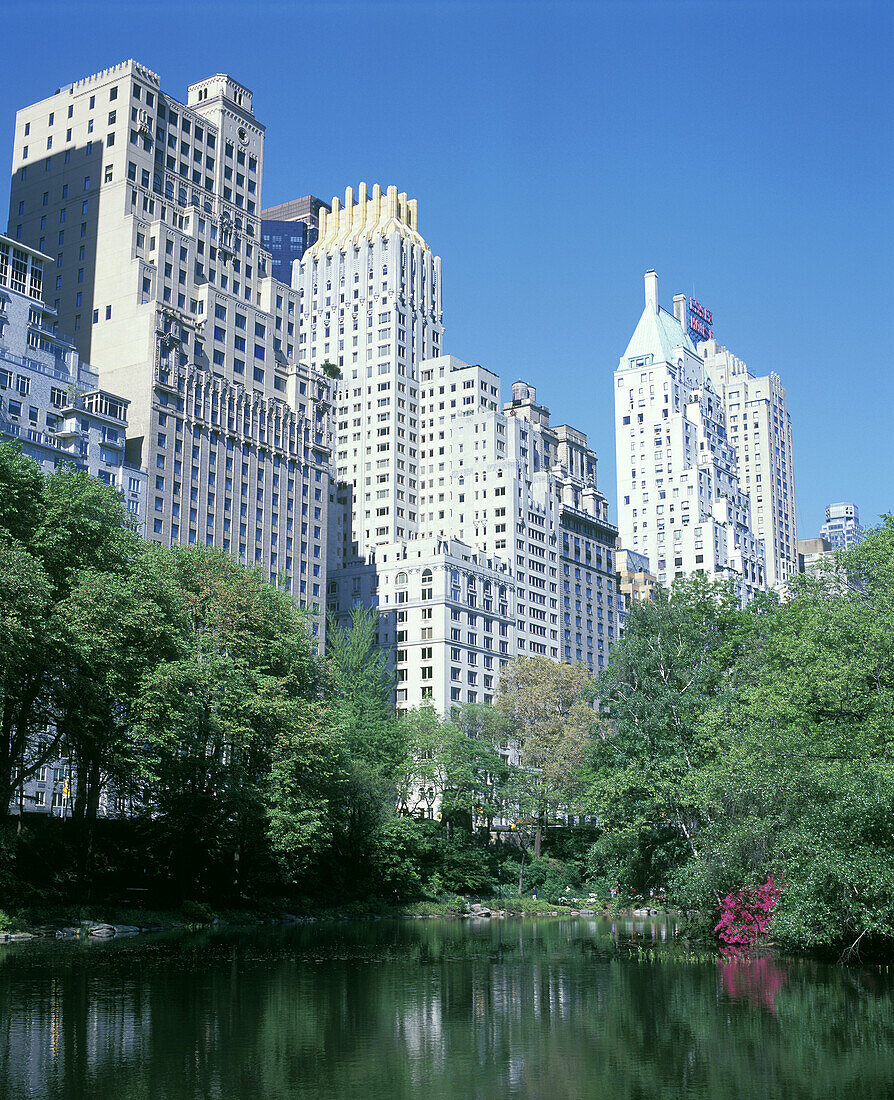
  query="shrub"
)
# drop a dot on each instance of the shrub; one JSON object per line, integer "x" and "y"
{"x": 197, "y": 912}
{"x": 745, "y": 915}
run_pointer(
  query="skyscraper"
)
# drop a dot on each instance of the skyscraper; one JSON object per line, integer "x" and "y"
{"x": 475, "y": 527}
{"x": 514, "y": 552}
{"x": 842, "y": 527}
{"x": 680, "y": 500}
{"x": 370, "y": 304}
{"x": 151, "y": 209}
{"x": 288, "y": 230}
{"x": 759, "y": 427}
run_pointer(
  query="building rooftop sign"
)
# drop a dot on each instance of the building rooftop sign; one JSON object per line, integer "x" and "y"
{"x": 700, "y": 321}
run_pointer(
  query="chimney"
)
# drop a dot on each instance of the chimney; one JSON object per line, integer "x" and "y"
{"x": 680, "y": 310}
{"x": 652, "y": 291}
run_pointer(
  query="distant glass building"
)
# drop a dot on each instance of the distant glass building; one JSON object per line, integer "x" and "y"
{"x": 842, "y": 527}
{"x": 288, "y": 230}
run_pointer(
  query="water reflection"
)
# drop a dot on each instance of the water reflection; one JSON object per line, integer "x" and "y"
{"x": 755, "y": 980}
{"x": 448, "y": 1010}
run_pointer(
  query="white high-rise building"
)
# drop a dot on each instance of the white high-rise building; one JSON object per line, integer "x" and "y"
{"x": 476, "y": 529}
{"x": 369, "y": 292}
{"x": 680, "y": 500}
{"x": 151, "y": 208}
{"x": 515, "y": 554}
{"x": 759, "y": 427}
{"x": 842, "y": 527}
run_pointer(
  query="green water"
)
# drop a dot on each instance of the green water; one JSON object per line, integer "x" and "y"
{"x": 435, "y": 1009}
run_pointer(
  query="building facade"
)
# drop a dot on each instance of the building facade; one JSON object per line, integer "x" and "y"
{"x": 288, "y": 230}
{"x": 370, "y": 296}
{"x": 475, "y": 527}
{"x": 812, "y": 553}
{"x": 759, "y": 427}
{"x": 151, "y": 209}
{"x": 842, "y": 527}
{"x": 51, "y": 401}
{"x": 635, "y": 579}
{"x": 680, "y": 499}
{"x": 514, "y": 555}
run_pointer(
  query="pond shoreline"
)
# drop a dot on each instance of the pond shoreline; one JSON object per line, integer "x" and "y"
{"x": 62, "y": 927}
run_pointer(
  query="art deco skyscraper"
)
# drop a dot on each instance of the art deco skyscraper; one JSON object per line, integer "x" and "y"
{"x": 370, "y": 297}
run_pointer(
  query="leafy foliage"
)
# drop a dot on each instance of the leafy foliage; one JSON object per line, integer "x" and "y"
{"x": 758, "y": 743}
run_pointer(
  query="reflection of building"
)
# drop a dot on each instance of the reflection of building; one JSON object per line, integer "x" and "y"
{"x": 152, "y": 210}
{"x": 50, "y": 401}
{"x": 288, "y": 230}
{"x": 759, "y": 427}
{"x": 842, "y": 527}
{"x": 680, "y": 500}
{"x": 636, "y": 581}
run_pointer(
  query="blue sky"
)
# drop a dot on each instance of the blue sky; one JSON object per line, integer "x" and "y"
{"x": 557, "y": 151}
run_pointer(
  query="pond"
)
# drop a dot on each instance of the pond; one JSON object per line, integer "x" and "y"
{"x": 535, "y": 1008}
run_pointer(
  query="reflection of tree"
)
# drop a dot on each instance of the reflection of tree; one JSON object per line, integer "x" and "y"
{"x": 755, "y": 980}
{"x": 528, "y": 1009}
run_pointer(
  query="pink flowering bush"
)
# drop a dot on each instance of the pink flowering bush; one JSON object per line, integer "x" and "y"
{"x": 745, "y": 915}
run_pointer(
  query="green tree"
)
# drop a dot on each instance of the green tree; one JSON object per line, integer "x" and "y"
{"x": 54, "y": 532}
{"x": 549, "y": 707}
{"x": 309, "y": 786}
{"x": 28, "y": 682}
{"x": 805, "y": 786}
{"x": 673, "y": 666}
{"x": 481, "y": 777}
{"x": 360, "y": 687}
{"x": 455, "y": 764}
{"x": 211, "y": 716}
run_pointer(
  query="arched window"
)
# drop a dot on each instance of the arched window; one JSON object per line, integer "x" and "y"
{"x": 401, "y": 578}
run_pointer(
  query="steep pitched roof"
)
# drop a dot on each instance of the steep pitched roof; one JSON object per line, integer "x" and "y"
{"x": 657, "y": 334}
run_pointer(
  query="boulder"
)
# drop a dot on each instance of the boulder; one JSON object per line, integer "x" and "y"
{"x": 102, "y": 931}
